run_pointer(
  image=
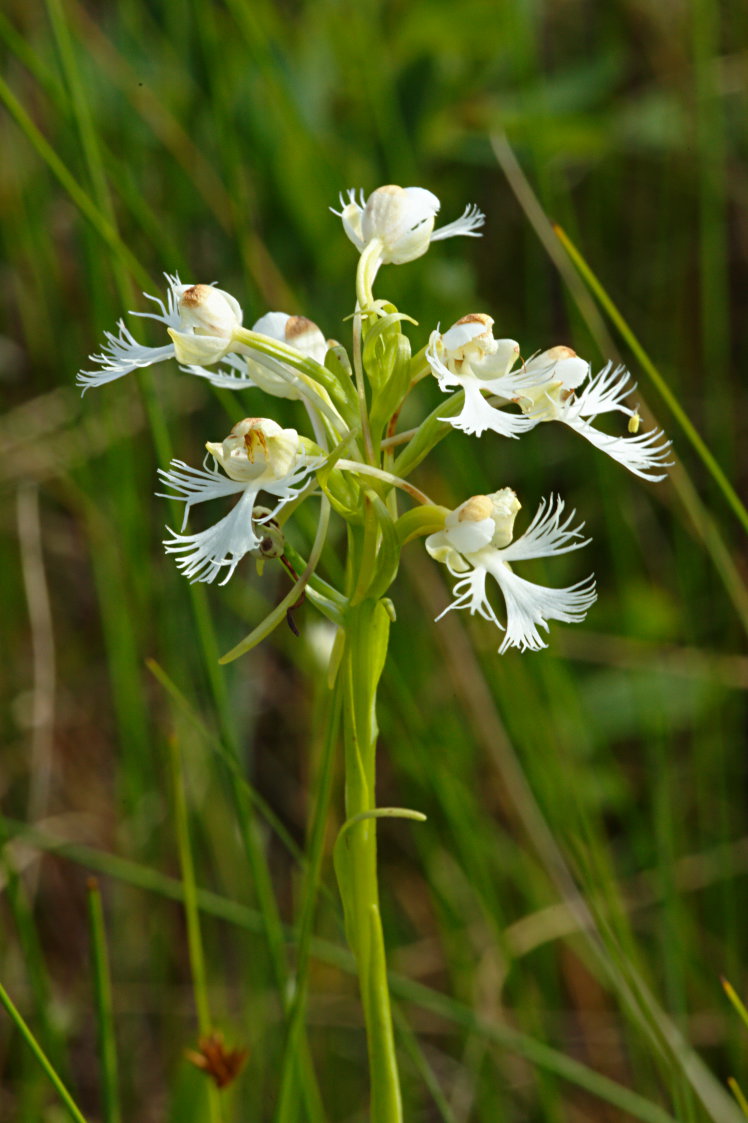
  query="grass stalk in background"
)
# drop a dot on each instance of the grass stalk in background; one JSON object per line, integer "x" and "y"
{"x": 41, "y": 1057}
{"x": 105, "y": 1014}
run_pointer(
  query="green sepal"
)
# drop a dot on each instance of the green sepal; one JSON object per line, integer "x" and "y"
{"x": 419, "y": 522}
{"x": 338, "y": 363}
{"x": 389, "y": 398}
{"x": 430, "y": 432}
{"x": 388, "y": 554}
{"x": 380, "y": 351}
{"x": 344, "y": 494}
{"x": 341, "y": 488}
{"x": 381, "y": 551}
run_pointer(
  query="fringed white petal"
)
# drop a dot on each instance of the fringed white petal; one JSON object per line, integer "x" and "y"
{"x": 644, "y": 454}
{"x": 605, "y": 393}
{"x": 470, "y": 593}
{"x": 207, "y": 554}
{"x": 351, "y": 212}
{"x": 547, "y": 534}
{"x": 530, "y": 606}
{"x": 197, "y": 485}
{"x": 477, "y": 415}
{"x": 237, "y": 378}
{"x": 120, "y": 356}
{"x": 467, "y": 224}
{"x": 168, "y": 313}
{"x": 444, "y": 376}
{"x": 289, "y": 486}
{"x": 122, "y": 353}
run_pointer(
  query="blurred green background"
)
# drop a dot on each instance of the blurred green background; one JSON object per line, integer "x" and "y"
{"x": 610, "y": 770}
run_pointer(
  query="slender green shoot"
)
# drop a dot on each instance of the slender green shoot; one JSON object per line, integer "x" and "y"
{"x": 104, "y": 1006}
{"x": 15, "y": 1015}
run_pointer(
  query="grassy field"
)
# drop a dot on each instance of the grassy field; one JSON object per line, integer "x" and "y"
{"x": 558, "y": 927}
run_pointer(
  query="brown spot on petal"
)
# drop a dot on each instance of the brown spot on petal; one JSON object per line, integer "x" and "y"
{"x": 476, "y": 318}
{"x": 560, "y": 352}
{"x": 475, "y": 509}
{"x": 194, "y": 296}
{"x": 298, "y": 325}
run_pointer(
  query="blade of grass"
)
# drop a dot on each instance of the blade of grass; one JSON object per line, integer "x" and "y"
{"x": 699, "y": 444}
{"x": 329, "y": 720}
{"x": 46, "y": 1065}
{"x": 104, "y": 1006}
{"x": 81, "y": 198}
{"x": 192, "y": 913}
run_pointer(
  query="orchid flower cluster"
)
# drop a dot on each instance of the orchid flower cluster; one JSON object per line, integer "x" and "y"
{"x": 356, "y": 460}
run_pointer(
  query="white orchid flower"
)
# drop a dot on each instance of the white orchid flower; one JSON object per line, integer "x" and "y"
{"x": 271, "y": 375}
{"x": 200, "y": 319}
{"x": 467, "y": 357}
{"x": 257, "y": 456}
{"x": 477, "y": 541}
{"x": 401, "y": 220}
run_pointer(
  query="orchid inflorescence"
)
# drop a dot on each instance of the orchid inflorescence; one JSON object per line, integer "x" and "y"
{"x": 353, "y": 403}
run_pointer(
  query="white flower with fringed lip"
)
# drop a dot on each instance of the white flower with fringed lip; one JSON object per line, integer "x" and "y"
{"x": 271, "y": 375}
{"x": 257, "y": 456}
{"x": 467, "y": 357}
{"x": 200, "y": 319}
{"x": 401, "y": 220}
{"x": 557, "y": 397}
{"x": 546, "y": 388}
{"x": 477, "y": 540}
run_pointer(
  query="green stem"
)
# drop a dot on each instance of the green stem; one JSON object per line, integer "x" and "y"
{"x": 104, "y": 1006}
{"x": 356, "y": 852}
{"x": 41, "y": 1057}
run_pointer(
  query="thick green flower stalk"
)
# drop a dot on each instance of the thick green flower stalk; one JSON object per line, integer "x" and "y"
{"x": 354, "y": 464}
